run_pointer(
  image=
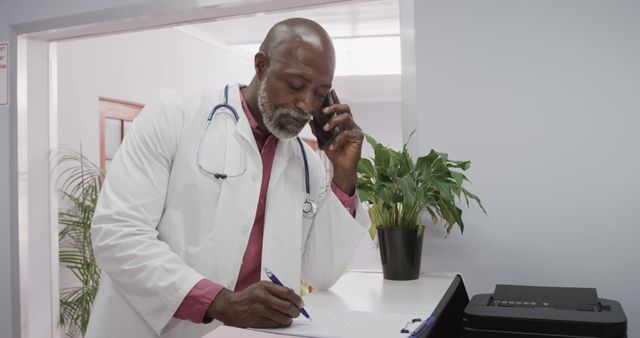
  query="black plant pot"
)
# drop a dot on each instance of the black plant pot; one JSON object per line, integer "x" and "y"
{"x": 400, "y": 253}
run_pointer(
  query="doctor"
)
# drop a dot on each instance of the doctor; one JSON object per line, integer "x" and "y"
{"x": 198, "y": 200}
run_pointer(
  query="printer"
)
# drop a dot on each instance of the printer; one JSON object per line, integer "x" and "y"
{"x": 517, "y": 311}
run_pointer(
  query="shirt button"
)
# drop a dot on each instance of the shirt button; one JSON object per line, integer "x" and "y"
{"x": 255, "y": 177}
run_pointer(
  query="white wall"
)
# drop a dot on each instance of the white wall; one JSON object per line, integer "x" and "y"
{"x": 375, "y": 104}
{"x": 382, "y": 120}
{"x": 543, "y": 97}
{"x": 134, "y": 67}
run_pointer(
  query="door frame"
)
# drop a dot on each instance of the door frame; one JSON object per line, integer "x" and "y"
{"x": 33, "y": 122}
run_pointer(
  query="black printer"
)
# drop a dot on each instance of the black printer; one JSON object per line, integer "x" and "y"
{"x": 516, "y": 311}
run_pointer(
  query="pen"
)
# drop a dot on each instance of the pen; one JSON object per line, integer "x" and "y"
{"x": 277, "y": 281}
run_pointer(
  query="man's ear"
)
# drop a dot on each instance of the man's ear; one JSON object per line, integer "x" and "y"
{"x": 260, "y": 63}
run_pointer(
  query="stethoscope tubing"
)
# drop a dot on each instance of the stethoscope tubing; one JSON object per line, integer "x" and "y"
{"x": 309, "y": 207}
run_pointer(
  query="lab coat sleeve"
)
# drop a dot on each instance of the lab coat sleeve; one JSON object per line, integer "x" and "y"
{"x": 151, "y": 277}
{"x": 334, "y": 236}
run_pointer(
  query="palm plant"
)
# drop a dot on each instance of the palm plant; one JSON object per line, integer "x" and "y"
{"x": 79, "y": 183}
{"x": 398, "y": 190}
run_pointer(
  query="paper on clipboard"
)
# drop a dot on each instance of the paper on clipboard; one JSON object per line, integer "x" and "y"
{"x": 342, "y": 323}
{"x": 234, "y": 332}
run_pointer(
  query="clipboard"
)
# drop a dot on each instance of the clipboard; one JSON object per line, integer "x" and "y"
{"x": 329, "y": 323}
{"x": 446, "y": 319}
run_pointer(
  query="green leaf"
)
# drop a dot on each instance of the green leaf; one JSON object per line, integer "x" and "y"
{"x": 408, "y": 189}
{"x": 464, "y": 165}
{"x": 382, "y": 161}
{"x": 365, "y": 195}
{"x": 365, "y": 167}
{"x": 434, "y": 217}
{"x": 458, "y": 177}
{"x": 424, "y": 163}
{"x": 370, "y": 140}
{"x": 372, "y": 231}
{"x": 443, "y": 156}
{"x": 406, "y": 145}
{"x": 467, "y": 193}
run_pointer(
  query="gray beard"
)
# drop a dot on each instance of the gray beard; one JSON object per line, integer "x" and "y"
{"x": 272, "y": 116}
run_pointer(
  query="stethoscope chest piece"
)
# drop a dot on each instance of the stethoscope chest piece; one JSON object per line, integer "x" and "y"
{"x": 309, "y": 208}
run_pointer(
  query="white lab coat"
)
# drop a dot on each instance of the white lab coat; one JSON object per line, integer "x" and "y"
{"x": 161, "y": 225}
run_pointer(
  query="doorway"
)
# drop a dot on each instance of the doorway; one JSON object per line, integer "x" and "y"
{"x": 363, "y": 89}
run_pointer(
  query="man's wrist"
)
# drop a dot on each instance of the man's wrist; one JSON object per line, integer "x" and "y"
{"x": 217, "y": 308}
{"x": 195, "y": 304}
{"x": 345, "y": 180}
{"x": 347, "y": 185}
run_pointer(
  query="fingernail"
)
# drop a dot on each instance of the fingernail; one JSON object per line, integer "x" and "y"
{"x": 331, "y": 147}
{"x": 326, "y": 110}
{"x": 326, "y": 127}
{"x": 302, "y": 304}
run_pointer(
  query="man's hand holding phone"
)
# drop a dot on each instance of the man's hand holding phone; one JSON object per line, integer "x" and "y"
{"x": 341, "y": 139}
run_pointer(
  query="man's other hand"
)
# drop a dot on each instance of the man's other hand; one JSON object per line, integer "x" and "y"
{"x": 261, "y": 305}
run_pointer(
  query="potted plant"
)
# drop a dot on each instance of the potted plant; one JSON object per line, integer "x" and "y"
{"x": 398, "y": 191}
{"x": 79, "y": 181}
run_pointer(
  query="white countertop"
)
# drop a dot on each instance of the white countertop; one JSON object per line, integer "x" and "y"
{"x": 368, "y": 291}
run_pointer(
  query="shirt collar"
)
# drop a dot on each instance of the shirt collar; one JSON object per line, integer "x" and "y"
{"x": 253, "y": 123}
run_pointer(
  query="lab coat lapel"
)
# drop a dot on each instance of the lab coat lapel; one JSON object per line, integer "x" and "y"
{"x": 283, "y": 215}
{"x": 280, "y": 160}
{"x": 281, "y": 248}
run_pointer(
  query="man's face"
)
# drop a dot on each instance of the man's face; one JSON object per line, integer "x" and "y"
{"x": 293, "y": 88}
{"x": 283, "y": 122}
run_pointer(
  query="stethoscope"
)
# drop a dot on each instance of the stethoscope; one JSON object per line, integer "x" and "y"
{"x": 309, "y": 208}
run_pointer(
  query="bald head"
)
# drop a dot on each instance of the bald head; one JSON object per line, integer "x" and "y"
{"x": 288, "y": 36}
{"x": 294, "y": 71}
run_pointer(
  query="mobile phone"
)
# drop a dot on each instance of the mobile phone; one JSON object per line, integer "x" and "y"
{"x": 320, "y": 119}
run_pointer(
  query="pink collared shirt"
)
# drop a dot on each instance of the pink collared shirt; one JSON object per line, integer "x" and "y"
{"x": 195, "y": 304}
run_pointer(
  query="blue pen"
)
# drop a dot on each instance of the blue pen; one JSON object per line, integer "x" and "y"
{"x": 277, "y": 281}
